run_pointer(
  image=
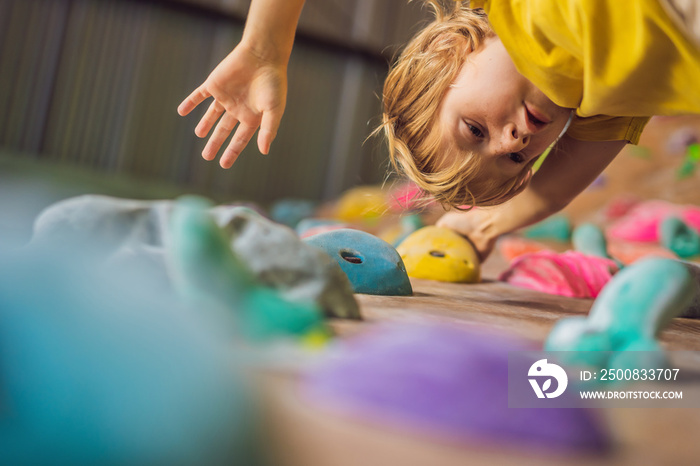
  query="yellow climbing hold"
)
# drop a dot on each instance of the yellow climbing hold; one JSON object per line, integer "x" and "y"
{"x": 436, "y": 253}
{"x": 316, "y": 339}
{"x": 362, "y": 203}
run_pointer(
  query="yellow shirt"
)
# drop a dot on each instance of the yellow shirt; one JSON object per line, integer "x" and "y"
{"x": 617, "y": 62}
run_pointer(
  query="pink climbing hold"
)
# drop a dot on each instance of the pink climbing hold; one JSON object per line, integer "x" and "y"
{"x": 570, "y": 273}
{"x": 407, "y": 196}
{"x": 642, "y": 222}
{"x": 619, "y": 207}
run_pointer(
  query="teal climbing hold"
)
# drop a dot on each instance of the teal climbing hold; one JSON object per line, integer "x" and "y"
{"x": 372, "y": 265}
{"x": 206, "y": 270}
{"x": 680, "y": 238}
{"x": 557, "y": 228}
{"x": 409, "y": 224}
{"x": 101, "y": 364}
{"x": 292, "y": 211}
{"x": 628, "y": 315}
{"x": 589, "y": 239}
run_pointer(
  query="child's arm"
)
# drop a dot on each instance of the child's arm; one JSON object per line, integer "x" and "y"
{"x": 568, "y": 170}
{"x": 249, "y": 86}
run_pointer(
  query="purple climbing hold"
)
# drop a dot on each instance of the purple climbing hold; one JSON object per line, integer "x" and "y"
{"x": 447, "y": 382}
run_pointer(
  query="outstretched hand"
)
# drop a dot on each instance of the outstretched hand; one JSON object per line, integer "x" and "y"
{"x": 249, "y": 92}
{"x": 474, "y": 225}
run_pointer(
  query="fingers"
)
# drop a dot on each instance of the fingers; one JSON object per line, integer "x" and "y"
{"x": 222, "y": 131}
{"x": 209, "y": 119}
{"x": 198, "y": 96}
{"x": 268, "y": 130}
{"x": 237, "y": 144}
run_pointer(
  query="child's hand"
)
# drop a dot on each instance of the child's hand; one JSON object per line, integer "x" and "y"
{"x": 247, "y": 91}
{"x": 473, "y": 224}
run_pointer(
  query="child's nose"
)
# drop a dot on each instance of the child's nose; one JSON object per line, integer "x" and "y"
{"x": 514, "y": 140}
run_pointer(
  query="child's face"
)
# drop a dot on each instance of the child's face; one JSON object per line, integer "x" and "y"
{"x": 494, "y": 111}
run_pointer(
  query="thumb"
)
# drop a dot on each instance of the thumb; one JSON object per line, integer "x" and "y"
{"x": 268, "y": 129}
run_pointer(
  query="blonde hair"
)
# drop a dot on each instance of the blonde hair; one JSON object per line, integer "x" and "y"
{"x": 413, "y": 92}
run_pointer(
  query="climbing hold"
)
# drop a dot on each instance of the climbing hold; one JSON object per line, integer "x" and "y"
{"x": 408, "y": 196}
{"x": 590, "y": 240}
{"x": 292, "y": 211}
{"x": 397, "y": 232}
{"x": 692, "y": 157}
{"x": 619, "y": 206}
{"x": 249, "y": 204}
{"x": 446, "y": 382}
{"x": 130, "y": 230}
{"x": 206, "y": 271}
{"x": 628, "y": 315}
{"x": 628, "y": 252}
{"x": 407, "y": 225}
{"x": 102, "y": 365}
{"x": 372, "y": 265}
{"x": 279, "y": 259}
{"x": 677, "y": 236}
{"x": 557, "y": 228}
{"x": 641, "y": 223}
{"x": 437, "y": 253}
{"x": 570, "y": 273}
{"x": 361, "y": 204}
{"x": 515, "y": 246}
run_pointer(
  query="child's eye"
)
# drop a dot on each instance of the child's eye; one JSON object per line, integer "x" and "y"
{"x": 515, "y": 157}
{"x": 475, "y": 131}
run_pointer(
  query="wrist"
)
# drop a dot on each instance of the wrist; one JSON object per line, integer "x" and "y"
{"x": 265, "y": 52}
{"x": 270, "y": 28}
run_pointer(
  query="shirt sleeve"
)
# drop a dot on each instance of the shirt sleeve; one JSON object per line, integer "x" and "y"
{"x": 608, "y": 128}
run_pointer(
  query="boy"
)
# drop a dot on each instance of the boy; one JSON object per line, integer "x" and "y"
{"x": 468, "y": 108}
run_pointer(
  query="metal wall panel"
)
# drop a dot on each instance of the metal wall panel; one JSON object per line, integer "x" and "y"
{"x": 96, "y": 83}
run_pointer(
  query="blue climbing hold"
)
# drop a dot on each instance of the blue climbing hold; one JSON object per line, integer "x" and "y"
{"x": 372, "y": 265}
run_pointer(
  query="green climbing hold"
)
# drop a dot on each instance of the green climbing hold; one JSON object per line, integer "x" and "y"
{"x": 207, "y": 271}
{"x": 677, "y": 236}
{"x": 557, "y": 228}
{"x": 628, "y": 316}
